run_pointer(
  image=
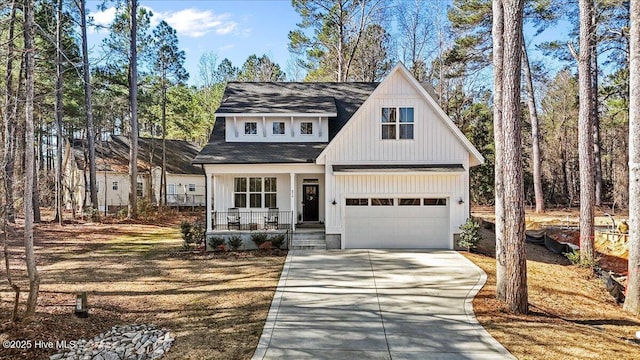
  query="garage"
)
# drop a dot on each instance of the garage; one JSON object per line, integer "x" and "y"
{"x": 400, "y": 223}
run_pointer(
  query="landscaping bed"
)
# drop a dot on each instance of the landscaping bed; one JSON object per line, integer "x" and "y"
{"x": 215, "y": 304}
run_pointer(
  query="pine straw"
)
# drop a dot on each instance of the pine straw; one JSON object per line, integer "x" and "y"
{"x": 215, "y": 305}
{"x": 571, "y": 314}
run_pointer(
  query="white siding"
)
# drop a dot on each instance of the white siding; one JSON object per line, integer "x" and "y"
{"x": 264, "y": 133}
{"x": 223, "y": 196}
{"x": 453, "y": 187}
{"x": 360, "y": 141}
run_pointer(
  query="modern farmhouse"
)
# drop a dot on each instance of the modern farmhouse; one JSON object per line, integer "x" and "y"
{"x": 373, "y": 165}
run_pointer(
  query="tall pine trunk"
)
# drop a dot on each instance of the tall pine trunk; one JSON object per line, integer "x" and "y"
{"x": 513, "y": 201}
{"x": 32, "y": 271}
{"x": 58, "y": 108}
{"x": 133, "y": 105}
{"x": 585, "y": 134}
{"x": 88, "y": 109}
{"x": 595, "y": 116}
{"x": 632, "y": 301}
{"x": 498, "y": 49}
{"x": 535, "y": 131}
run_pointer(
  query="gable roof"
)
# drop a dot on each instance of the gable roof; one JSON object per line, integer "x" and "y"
{"x": 113, "y": 155}
{"x": 476, "y": 157}
{"x": 337, "y": 101}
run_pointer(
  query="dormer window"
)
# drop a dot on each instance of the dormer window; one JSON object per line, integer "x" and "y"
{"x": 397, "y": 123}
{"x": 306, "y": 128}
{"x": 278, "y": 128}
{"x": 251, "y": 128}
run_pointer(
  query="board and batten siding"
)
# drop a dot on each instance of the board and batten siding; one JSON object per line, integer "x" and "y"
{"x": 360, "y": 141}
{"x": 224, "y": 186}
{"x": 235, "y": 129}
{"x": 452, "y": 187}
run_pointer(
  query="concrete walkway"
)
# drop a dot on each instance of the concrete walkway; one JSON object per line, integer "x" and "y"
{"x": 376, "y": 304}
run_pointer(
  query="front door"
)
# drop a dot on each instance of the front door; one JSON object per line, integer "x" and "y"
{"x": 310, "y": 203}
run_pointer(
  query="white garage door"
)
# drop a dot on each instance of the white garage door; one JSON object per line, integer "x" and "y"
{"x": 405, "y": 223}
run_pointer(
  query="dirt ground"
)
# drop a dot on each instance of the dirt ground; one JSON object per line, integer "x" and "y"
{"x": 571, "y": 314}
{"x": 215, "y": 305}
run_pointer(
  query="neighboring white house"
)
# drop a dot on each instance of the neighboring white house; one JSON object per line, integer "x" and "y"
{"x": 378, "y": 165}
{"x": 185, "y": 181}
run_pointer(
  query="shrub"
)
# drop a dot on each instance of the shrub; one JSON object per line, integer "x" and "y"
{"x": 259, "y": 238}
{"x": 192, "y": 233}
{"x": 214, "y": 242}
{"x": 266, "y": 245}
{"x": 235, "y": 242}
{"x": 92, "y": 213}
{"x": 470, "y": 235}
{"x": 145, "y": 208}
{"x": 277, "y": 240}
{"x": 574, "y": 258}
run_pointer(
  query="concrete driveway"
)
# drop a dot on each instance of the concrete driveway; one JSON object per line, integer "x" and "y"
{"x": 376, "y": 304}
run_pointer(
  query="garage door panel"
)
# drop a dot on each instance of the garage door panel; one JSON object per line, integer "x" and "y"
{"x": 397, "y": 227}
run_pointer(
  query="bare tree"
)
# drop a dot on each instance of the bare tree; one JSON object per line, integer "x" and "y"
{"x": 133, "y": 105}
{"x": 32, "y": 271}
{"x": 535, "y": 133}
{"x": 513, "y": 202}
{"x": 88, "y": 107}
{"x": 415, "y": 32}
{"x": 585, "y": 134}
{"x": 498, "y": 53}
{"x": 632, "y": 301}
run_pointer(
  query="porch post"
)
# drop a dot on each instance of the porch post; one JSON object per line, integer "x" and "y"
{"x": 208, "y": 201}
{"x": 294, "y": 212}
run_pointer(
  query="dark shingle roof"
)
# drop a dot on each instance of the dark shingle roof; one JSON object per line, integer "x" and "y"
{"x": 343, "y": 99}
{"x": 113, "y": 154}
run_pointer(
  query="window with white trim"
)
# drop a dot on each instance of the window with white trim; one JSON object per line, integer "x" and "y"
{"x": 192, "y": 187}
{"x": 114, "y": 185}
{"x": 254, "y": 192}
{"x": 278, "y": 128}
{"x": 306, "y": 128}
{"x": 397, "y": 123}
{"x": 139, "y": 189}
{"x": 251, "y": 128}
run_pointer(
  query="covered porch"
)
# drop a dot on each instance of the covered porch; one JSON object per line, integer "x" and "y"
{"x": 255, "y": 197}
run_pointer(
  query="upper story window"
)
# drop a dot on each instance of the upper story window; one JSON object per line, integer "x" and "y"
{"x": 278, "y": 128}
{"x": 306, "y": 128}
{"x": 250, "y": 128}
{"x": 397, "y": 123}
{"x": 114, "y": 185}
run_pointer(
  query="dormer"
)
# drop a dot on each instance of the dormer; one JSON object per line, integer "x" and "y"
{"x": 275, "y": 112}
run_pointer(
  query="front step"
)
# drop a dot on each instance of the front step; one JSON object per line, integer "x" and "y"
{"x": 308, "y": 241}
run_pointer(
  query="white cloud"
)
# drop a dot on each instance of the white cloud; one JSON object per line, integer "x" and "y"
{"x": 104, "y": 17}
{"x": 197, "y": 23}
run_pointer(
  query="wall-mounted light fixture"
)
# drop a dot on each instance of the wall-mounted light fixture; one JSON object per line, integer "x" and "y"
{"x": 461, "y": 201}
{"x": 334, "y": 202}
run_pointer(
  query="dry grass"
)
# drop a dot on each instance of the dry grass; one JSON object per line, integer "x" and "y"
{"x": 571, "y": 314}
{"x": 216, "y": 305}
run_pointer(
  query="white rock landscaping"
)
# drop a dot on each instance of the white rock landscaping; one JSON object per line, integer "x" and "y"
{"x": 135, "y": 342}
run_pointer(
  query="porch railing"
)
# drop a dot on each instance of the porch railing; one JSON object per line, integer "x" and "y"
{"x": 251, "y": 220}
{"x": 185, "y": 200}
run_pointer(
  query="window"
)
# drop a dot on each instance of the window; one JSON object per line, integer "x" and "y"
{"x": 255, "y": 192}
{"x": 409, "y": 202}
{"x": 192, "y": 187}
{"x": 357, "y": 202}
{"x": 306, "y": 128}
{"x": 240, "y": 192}
{"x": 435, "y": 202}
{"x": 278, "y": 128}
{"x": 397, "y": 123}
{"x": 381, "y": 202}
{"x": 250, "y": 128}
{"x": 171, "y": 189}
{"x": 257, "y": 189}
{"x": 114, "y": 185}
{"x": 270, "y": 192}
{"x": 139, "y": 188}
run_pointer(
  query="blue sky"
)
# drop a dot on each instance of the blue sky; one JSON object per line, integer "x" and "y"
{"x": 237, "y": 29}
{"x": 231, "y": 29}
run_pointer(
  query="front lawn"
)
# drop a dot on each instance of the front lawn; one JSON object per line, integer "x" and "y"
{"x": 571, "y": 315}
{"x": 215, "y": 305}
